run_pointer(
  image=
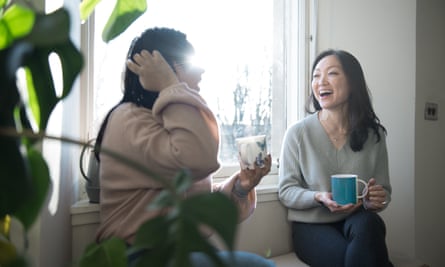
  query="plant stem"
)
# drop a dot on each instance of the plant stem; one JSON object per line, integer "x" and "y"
{"x": 12, "y": 132}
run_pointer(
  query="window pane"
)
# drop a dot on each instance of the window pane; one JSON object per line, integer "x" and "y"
{"x": 233, "y": 41}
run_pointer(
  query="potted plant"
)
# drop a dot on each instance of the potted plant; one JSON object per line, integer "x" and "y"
{"x": 24, "y": 173}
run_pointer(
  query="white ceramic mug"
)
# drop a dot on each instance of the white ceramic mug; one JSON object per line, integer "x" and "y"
{"x": 252, "y": 151}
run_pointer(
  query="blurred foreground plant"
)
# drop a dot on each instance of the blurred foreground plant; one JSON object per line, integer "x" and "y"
{"x": 27, "y": 39}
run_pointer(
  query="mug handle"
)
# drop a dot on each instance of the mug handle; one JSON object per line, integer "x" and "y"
{"x": 365, "y": 190}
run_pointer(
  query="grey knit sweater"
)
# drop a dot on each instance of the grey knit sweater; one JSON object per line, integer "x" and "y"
{"x": 308, "y": 159}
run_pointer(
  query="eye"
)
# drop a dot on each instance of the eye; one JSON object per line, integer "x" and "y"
{"x": 333, "y": 73}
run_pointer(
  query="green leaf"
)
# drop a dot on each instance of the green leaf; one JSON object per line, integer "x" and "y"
{"x": 19, "y": 261}
{"x": 72, "y": 63}
{"x": 5, "y": 36}
{"x": 19, "y": 20}
{"x": 50, "y": 29}
{"x": 182, "y": 181}
{"x": 41, "y": 89}
{"x": 86, "y": 8}
{"x": 15, "y": 180}
{"x": 34, "y": 201}
{"x": 3, "y": 3}
{"x": 153, "y": 232}
{"x": 190, "y": 239}
{"x": 165, "y": 199}
{"x": 109, "y": 253}
{"x": 123, "y": 15}
{"x": 159, "y": 256}
{"x": 44, "y": 91}
{"x": 215, "y": 210}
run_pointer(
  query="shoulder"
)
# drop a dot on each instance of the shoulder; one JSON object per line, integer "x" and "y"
{"x": 128, "y": 112}
{"x": 302, "y": 128}
{"x": 304, "y": 125}
{"x": 380, "y": 138}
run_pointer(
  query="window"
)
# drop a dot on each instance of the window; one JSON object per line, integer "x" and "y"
{"x": 249, "y": 50}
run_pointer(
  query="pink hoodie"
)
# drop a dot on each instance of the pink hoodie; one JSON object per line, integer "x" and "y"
{"x": 180, "y": 132}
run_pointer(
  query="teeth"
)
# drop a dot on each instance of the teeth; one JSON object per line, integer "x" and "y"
{"x": 325, "y": 92}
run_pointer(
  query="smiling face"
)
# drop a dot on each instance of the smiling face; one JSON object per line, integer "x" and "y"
{"x": 330, "y": 84}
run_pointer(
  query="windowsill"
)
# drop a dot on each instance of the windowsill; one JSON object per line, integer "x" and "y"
{"x": 265, "y": 193}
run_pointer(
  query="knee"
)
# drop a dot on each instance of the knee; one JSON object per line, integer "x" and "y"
{"x": 368, "y": 222}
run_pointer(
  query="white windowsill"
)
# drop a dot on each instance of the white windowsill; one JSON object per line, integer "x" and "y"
{"x": 265, "y": 193}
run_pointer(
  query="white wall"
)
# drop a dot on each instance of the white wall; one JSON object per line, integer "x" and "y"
{"x": 430, "y": 147}
{"x": 381, "y": 34}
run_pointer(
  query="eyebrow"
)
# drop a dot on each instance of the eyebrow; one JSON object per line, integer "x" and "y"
{"x": 330, "y": 67}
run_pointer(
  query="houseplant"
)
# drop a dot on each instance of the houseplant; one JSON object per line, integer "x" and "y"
{"x": 24, "y": 173}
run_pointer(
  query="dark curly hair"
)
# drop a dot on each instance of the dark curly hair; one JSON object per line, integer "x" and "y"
{"x": 361, "y": 114}
{"x": 172, "y": 45}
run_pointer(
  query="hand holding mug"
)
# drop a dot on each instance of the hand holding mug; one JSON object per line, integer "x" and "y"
{"x": 326, "y": 199}
{"x": 376, "y": 197}
{"x": 154, "y": 72}
{"x": 252, "y": 151}
{"x": 249, "y": 178}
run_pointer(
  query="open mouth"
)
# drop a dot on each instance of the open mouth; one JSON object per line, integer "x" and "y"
{"x": 324, "y": 93}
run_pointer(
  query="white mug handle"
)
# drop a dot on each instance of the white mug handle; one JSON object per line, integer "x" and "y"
{"x": 365, "y": 190}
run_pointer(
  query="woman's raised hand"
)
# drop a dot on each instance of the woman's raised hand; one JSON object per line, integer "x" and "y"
{"x": 154, "y": 72}
{"x": 248, "y": 179}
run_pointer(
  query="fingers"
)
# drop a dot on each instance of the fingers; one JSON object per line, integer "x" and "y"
{"x": 376, "y": 198}
{"x": 251, "y": 178}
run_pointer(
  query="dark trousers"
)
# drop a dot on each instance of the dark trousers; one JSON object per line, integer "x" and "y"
{"x": 357, "y": 241}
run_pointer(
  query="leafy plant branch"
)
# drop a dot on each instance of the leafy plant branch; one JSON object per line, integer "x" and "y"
{"x": 25, "y": 45}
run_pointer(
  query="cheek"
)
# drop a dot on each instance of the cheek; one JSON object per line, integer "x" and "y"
{"x": 314, "y": 88}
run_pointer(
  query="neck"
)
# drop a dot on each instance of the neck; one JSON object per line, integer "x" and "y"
{"x": 336, "y": 121}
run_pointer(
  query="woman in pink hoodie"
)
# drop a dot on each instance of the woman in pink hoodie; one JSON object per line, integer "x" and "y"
{"x": 163, "y": 123}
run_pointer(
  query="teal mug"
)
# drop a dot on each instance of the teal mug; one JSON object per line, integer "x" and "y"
{"x": 345, "y": 187}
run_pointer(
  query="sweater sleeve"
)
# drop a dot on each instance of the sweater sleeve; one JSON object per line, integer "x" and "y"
{"x": 190, "y": 127}
{"x": 382, "y": 168}
{"x": 180, "y": 132}
{"x": 293, "y": 191}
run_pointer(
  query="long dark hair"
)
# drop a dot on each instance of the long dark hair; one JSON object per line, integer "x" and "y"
{"x": 175, "y": 49}
{"x": 361, "y": 114}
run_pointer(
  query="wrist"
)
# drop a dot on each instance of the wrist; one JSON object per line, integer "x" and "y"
{"x": 238, "y": 190}
{"x": 317, "y": 198}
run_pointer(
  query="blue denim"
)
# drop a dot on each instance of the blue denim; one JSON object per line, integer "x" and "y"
{"x": 237, "y": 259}
{"x": 359, "y": 240}
{"x": 234, "y": 259}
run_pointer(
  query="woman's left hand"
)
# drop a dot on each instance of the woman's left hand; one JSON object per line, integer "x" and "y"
{"x": 248, "y": 179}
{"x": 376, "y": 197}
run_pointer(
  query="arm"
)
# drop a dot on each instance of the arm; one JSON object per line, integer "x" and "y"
{"x": 293, "y": 190}
{"x": 182, "y": 132}
{"x": 241, "y": 188}
{"x": 379, "y": 187}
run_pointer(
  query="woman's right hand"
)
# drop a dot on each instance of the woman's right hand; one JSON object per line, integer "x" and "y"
{"x": 154, "y": 72}
{"x": 326, "y": 199}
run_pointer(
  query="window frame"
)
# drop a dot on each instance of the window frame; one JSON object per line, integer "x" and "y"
{"x": 292, "y": 40}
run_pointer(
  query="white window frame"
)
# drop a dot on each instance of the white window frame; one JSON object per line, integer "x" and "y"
{"x": 290, "y": 80}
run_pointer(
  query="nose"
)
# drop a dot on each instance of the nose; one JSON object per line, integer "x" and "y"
{"x": 322, "y": 79}
{"x": 200, "y": 70}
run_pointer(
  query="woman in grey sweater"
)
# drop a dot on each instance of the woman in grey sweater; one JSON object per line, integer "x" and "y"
{"x": 341, "y": 135}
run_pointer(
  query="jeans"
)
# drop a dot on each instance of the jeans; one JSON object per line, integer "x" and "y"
{"x": 240, "y": 259}
{"x": 236, "y": 259}
{"x": 357, "y": 241}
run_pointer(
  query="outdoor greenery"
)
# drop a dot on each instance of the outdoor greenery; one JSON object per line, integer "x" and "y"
{"x": 25, "y": 46}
